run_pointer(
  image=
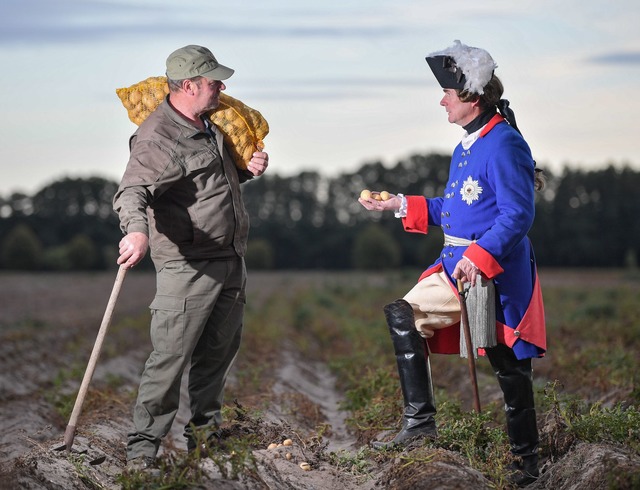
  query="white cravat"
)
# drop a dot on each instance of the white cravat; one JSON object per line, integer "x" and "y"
{"x": 470, "y": 139}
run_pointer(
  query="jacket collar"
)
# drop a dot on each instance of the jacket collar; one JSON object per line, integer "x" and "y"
{"x": 493, "y": 122}
{"x": 189, "y": 129}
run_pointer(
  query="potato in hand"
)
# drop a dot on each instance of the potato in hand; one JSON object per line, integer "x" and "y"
{"x": 378, "y": 196}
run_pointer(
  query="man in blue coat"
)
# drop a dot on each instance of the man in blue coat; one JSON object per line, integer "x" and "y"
{"x": 486, "y": 212}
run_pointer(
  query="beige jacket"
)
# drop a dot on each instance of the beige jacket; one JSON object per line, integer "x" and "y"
{"x": 180, "y": 192}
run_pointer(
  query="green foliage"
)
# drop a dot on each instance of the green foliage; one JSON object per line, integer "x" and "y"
{"x": 591, "y": 321}
{"x": 617, "y": 480}
{"x": 236, "y": 459}
{"x": 232, "y": 454}
{"x": 79, "y": 254}
{"x": 372, "y": 398}
{"x": 56, "y": 259}
{"x": 61, "y": 213}
{"x": 176, "y": 471}
{"x": 21, "y": 249}
{"x": 375, "y": 249}
{"x": 82, "y": 253}
{"x": 472, "y": 435}
{"x": 617, "y": 424}
{"x": 308, "y": 221}
{"x": 60, "y": 395}
{"x": 84, "y": 473}
{"x": 358, "y": 463}
{"x": 259, "y": 255}
{"x": 631, "y": 260}
{"x": 589, "y": 422}
{"x": 65, "y": 384}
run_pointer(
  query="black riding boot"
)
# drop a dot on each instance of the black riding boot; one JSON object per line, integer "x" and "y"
{"x": 415, "y": 376}
{"x": 515, "y": 378}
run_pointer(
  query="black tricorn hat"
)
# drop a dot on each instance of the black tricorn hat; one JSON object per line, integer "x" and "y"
{"x": 448, "y": 74}
{"x": 462, "y": 67}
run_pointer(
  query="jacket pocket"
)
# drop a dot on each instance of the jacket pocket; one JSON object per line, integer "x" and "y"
{"x": 199, "y": 161}
{"x": 167, "y": 324}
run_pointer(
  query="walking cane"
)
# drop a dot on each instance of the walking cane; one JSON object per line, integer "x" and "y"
{"x": 106, "y": 320}
{"x": 467, "y": 339}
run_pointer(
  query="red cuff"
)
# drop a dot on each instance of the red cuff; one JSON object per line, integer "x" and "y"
{"x": 483, "y": 260}
{"x": 417, "y": 218}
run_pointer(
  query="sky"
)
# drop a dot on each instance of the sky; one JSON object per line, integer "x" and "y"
{"x": 340, "y": 83}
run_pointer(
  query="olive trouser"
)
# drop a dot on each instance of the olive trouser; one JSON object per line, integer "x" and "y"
{"x": 196, "y": 320}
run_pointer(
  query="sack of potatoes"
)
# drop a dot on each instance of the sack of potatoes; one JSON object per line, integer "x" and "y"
{"x": 244, "y": 128}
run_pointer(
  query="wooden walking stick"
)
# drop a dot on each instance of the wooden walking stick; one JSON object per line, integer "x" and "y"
{"x": 469, "y": 344}
{"x": 106, "y": 320}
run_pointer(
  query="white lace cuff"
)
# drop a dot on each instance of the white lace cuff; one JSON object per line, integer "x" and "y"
{"x": 402, "y": 212}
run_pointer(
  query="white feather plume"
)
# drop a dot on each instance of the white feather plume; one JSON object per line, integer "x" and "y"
{"x": 476, "y": 64}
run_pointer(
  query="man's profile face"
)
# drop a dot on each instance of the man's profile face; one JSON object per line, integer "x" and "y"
{"x": 208, "y": 94}
{"x": 460, "y": 113}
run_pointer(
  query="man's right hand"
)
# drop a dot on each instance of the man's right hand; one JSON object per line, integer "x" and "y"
{"x": 133, "y": 248}
{"x": 372, "y": 204}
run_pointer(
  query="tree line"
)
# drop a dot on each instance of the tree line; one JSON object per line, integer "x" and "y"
{"x": 310, "y": 221}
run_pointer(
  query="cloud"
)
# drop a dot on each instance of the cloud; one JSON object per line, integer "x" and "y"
{"x": 72, "y": 21}
{"x": 617, "y": 58}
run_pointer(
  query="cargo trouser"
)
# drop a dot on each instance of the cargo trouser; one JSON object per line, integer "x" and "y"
{"x": 196, "y": 321}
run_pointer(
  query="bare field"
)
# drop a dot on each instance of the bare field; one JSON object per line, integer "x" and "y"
{"x": 48, "y": 323}
{"x": 73, "y": 299}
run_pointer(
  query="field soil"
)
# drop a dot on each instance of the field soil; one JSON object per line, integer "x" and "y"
{"x": 48, "y": 323}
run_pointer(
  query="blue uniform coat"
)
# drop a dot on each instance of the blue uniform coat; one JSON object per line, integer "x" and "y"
{"x": 489, "y": 199}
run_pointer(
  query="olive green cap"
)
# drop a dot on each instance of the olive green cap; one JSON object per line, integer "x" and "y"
{"x": 193, "y": 61}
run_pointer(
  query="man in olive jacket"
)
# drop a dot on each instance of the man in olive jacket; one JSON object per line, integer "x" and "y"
{"x": 180, "y": 195}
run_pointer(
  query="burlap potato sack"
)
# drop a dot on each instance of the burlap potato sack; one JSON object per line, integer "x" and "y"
{"x": 244, "y": 128}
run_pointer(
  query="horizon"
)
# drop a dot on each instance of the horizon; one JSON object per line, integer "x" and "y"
{"x": 340, "y": 85}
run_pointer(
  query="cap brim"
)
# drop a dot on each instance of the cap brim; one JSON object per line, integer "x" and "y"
{"x": 220, "y": 72}
{"x": 444, "y": 75}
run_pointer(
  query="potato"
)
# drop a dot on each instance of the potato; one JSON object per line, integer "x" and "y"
{"x": 385, "y": 195}
{"x": 365, "y": 194}
{"x": 135, "y": 97}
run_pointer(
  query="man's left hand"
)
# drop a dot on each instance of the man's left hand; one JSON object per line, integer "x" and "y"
{"x": 466, "y": 271}
{"x": 258, "y": 163}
